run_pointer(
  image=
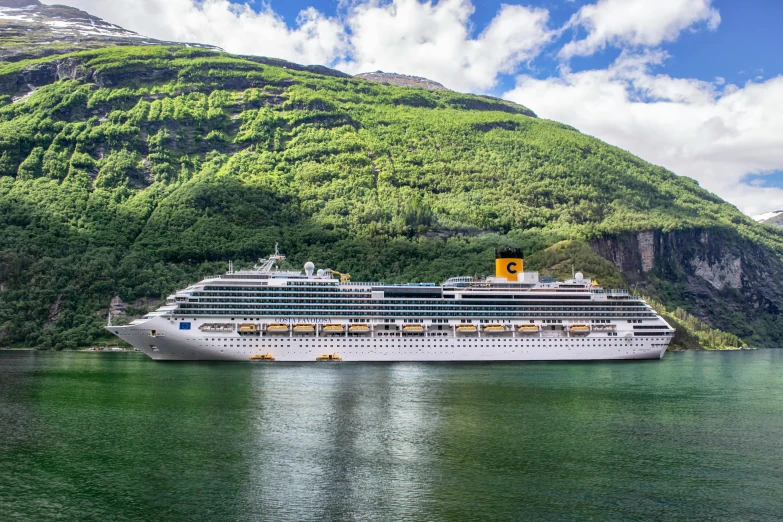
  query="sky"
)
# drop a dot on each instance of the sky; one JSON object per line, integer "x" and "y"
{"x": 693, "y": 85}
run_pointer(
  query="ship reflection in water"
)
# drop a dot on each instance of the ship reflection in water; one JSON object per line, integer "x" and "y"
{"x": 119, "y": 437}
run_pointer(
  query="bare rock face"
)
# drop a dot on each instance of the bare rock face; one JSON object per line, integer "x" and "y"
{"x": 55, "y": 310}
{"x": 717, "y": 275}
{"x": 33, "y": 76}
{"x": 117, "y": 306}
{"x": 726, "y": 272}
{"x": 646, "y": 241}
{"x": 401, "y": 80}
{"x": 635, "y": 253}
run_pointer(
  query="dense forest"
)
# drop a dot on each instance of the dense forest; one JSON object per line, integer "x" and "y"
{"x": 130, "y": 172}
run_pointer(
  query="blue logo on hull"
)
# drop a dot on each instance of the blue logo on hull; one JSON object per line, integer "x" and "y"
{"x": 184, "y": 326}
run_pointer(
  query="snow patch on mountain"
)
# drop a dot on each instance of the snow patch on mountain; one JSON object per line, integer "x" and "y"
{"x": 66, "y": 21}
{"x": 18, "y": 14}
{"x": 41, "y": 30}
{"x": 767, "y": 215}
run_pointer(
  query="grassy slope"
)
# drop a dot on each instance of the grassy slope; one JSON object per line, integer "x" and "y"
{"x": 187, "y": 158}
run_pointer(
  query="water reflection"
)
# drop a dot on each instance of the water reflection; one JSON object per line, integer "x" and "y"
{"x": 339, "y": 441}
{"x": 111, "y": 436}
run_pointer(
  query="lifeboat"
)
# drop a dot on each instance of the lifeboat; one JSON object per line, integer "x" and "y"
{"x": 467, "y": 328}
{"x": 331, "y": 357}
{"x": 333, "y": 328}
{"x": 579, "y": 329}
{"x": 304, "y": 328}
{"x": 494, "y": 328}
{"x": 359, "y": 328}
{"x": 528, "y": 328}
{"x": 262, "y": 357}
{"x": 248, "y": 328}
{"x": 277, "y": 328}
{"x": 413, "y": 328}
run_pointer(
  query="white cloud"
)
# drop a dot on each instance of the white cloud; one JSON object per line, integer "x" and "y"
{"x": 404, "y": 36}
{"x": 636, "y": 23}
{"x": 433, "y": 40}
{"x": 686, "y": 125}
{"x": 234, "y": 27}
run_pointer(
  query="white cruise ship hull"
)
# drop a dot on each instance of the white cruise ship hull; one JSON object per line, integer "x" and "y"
{"x": 277, "y": 315}
{"x": 169, "y": 343}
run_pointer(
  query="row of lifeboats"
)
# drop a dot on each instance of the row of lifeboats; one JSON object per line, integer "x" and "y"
{"x": 525, "y": 328}
{"x": 310, "y": 328}
{"x": 365, "y": 328}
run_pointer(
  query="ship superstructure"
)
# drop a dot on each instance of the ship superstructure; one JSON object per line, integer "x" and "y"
{"x": 266, "y": 314}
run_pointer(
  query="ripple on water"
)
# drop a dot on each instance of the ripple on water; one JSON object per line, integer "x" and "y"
{"x": 120, "y": 437}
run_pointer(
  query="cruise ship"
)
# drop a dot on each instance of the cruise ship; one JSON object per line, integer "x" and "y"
{"x": 267, "y": 314}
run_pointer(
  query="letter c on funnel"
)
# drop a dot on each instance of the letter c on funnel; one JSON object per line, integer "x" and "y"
{"x": 512, "y": 267}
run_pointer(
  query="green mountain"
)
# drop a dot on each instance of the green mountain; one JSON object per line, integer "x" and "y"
{"x": 128, "y": 172}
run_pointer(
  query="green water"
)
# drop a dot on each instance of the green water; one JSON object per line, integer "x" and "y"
{"x": 119, "y": 437}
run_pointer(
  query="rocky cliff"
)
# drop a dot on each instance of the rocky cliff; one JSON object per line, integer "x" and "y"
{"x": 730, "y": 283}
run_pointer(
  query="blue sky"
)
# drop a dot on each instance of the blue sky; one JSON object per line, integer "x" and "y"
{"x": 748, "y": 43}
{"x": 693, "y": 85}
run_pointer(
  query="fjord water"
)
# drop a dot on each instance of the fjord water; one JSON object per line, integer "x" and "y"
{"x": 120, "y": 437}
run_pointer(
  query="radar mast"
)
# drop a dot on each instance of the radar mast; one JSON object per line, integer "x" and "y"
{"x": 266, "y": 264}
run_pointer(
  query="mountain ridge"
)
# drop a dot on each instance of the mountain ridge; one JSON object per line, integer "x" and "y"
{"x": 401, "y": 80}
{"x": 30, "y": 29}
{"x": 18, "y": 4}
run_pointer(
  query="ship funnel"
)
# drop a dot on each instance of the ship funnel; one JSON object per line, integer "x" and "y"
{"x": 508, "y": 263}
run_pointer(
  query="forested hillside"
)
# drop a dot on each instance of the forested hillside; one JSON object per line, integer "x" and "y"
{"x": 129, "y": 172}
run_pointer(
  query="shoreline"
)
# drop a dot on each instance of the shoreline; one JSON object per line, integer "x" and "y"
{"x": 125, "y": 350}
{"x": 78, "y": 350}
{"x": 727, "y": 349}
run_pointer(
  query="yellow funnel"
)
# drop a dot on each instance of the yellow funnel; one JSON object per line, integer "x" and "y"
{"x": 509, "y": 263}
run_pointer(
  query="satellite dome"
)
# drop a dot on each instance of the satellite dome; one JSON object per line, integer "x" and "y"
{"x": 579, "y": 276}
{"x": 321, "y": 272}
{"x": 309, "y": 268}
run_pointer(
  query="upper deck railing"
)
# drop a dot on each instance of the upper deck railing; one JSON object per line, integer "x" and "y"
{"x": 458, "y": 280}
{"x": 463, "y": 283}
{"x": 614, "y": 291}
